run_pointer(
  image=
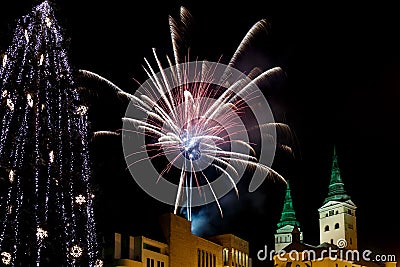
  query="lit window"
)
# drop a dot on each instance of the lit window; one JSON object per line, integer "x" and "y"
{"x": 225, "y": 256}
{"x": 236, "y": 257}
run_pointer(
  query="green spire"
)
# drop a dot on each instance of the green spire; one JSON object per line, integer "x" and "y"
{"x": 336, "y": 187}
{"x": 288, "y": 216}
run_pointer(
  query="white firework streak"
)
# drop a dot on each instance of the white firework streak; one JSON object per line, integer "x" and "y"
{"x": 196, "y": 120}
{"x": 180, "y": 121}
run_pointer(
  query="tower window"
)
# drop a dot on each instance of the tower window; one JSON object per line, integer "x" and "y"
{"x": 330, "y": 212}
{"x": 327, "y": 228}
{"x": 349, "y": 212}
{"x": 351, "y": 241}
{"x": 336, "y": 225}
{"x": 336, "y": 212}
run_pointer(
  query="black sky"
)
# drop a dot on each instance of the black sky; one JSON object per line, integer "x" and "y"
{"x": 343, "y": 67}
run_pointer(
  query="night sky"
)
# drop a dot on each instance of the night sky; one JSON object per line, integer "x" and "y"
{"x": 343, "y": 88}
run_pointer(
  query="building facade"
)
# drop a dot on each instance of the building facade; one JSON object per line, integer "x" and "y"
{"x": 182, "y": 248}
{"x": 140, "y": 251}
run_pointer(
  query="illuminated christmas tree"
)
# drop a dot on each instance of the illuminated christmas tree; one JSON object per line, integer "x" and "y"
{"x": 46, "y": 193}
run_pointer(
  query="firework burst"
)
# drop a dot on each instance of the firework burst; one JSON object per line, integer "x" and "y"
{"x": 204, "y": 122}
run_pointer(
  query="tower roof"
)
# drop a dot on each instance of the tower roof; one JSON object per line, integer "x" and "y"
{"x": 288, "y": 216}
{"x": 336, "y": 187}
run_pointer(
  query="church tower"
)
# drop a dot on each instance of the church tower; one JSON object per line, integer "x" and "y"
{"x": 287, "y": 223}
{"x": 337, "y": 217}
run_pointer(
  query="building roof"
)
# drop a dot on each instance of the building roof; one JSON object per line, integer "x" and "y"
{"x": 288, "y": 216}
{"x": 336, "y": 187}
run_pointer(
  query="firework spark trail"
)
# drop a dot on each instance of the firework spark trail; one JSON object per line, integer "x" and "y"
{"x": 194, "y": 115}
{"x": 182, "y": 134}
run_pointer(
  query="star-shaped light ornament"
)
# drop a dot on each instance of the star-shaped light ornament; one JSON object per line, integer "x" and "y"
{"x": 76, "y": 251}
{"x": 98, "y": 263}
{"x": 6, "y": 258}
{"x": 41, "y": 234}
{"x": 81, "y": 110}
{"x": 80, "y": 200}
{"x": 10, "y": 104}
